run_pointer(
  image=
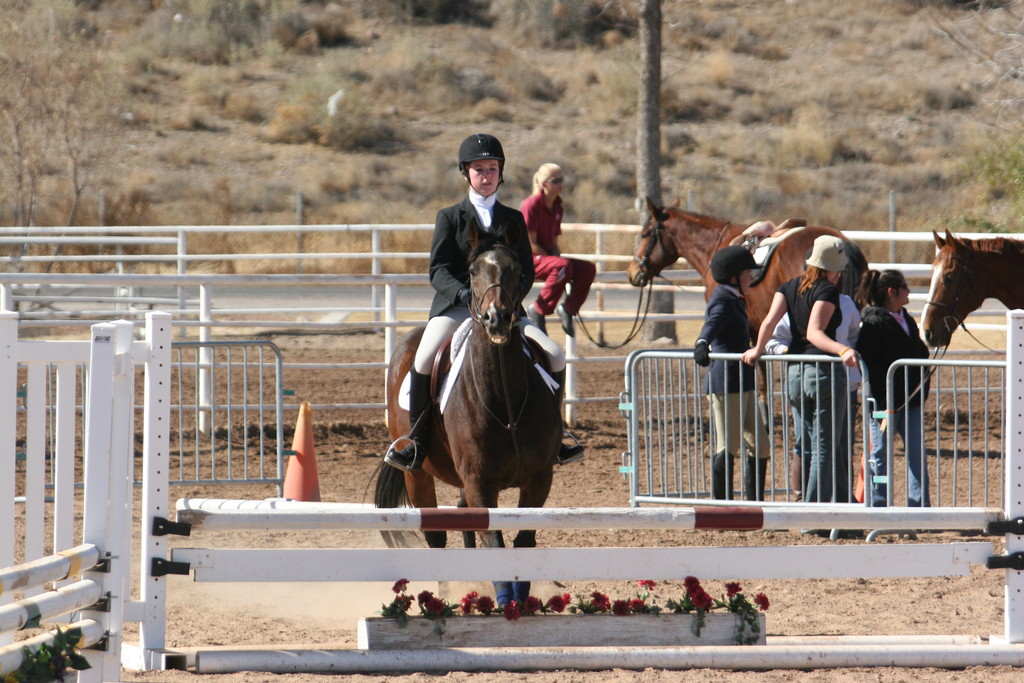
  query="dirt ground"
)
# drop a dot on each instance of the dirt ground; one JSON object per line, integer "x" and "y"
{"x": 348, "y": 447}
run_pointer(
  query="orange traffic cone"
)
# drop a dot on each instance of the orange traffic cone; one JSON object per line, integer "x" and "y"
{"x": 301, "y": 481}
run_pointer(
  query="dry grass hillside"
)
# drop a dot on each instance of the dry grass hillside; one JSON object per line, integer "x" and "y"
{"x": 216, "y": 111}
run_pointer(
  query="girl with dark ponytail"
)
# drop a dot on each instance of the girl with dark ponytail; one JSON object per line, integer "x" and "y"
{"x": 889, "y": 333}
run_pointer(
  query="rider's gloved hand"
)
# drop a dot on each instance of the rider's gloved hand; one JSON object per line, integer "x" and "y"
{"x": 701, "y": 353}
{"x": 464, "y": 296}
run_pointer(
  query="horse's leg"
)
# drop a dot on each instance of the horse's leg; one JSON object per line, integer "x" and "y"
{"x": 534, "y": 495}
{"x": 423, "y": 494}
{"x": 468, "y": 537}
{"x": 478, "y": 492}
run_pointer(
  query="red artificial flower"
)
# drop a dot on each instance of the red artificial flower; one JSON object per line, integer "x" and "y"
{"x": 468, "y": 602}
{"x": 558, "y": 603}
{"x": 400, "y": 585}
{"x": 732, "y": 588}
{"x": 637, "y": 605}
{"x": 701, "y": 600}
{"x": 512, "y": 611}
{"x": 692, "y": 584}
{"x": 761, "y": 600}
{"x": 532, "y": 605}
{"x": 620, "y": 607}
{"x": 434, "y": 606}
{"x": 485, "y": 604}
{"x": 405, "y": 602}
{"x": 600, "y": 601}
{"x": 423, "y": 597}
{"x": 646, "y": 584}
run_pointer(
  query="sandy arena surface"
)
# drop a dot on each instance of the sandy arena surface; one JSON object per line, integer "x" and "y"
{"x": 348, "y": 447}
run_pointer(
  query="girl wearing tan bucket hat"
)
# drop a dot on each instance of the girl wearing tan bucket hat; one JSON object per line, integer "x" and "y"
{"x": 818, "y": 390}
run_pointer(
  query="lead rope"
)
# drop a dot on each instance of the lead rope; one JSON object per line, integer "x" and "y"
{"x": 639, "y": 319}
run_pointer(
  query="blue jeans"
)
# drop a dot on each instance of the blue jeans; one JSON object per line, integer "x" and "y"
{"x": 907, "y": 423}
{"x": 817, "y": 392}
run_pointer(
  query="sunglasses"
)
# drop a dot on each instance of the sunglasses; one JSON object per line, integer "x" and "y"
{"x": 556, "y": 181}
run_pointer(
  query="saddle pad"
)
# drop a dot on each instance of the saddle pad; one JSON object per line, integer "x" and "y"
{"x": 458, "y": 358}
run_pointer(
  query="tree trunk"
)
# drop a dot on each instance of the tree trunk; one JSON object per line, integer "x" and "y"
{"x": 648, "y": 167}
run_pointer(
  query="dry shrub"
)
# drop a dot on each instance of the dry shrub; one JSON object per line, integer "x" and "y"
{"x": 944, "y": 97}
{"x": 491, "y": 109}
{"x": 808, "y": 141}
{"x": 719, "y": 67}
{"x": 242, "y": 105}
{"x": 332, "y": 26}
{"x": 292, "y": 122}
{"x": 188, "y": 118}
{"x": 565, "y": 23}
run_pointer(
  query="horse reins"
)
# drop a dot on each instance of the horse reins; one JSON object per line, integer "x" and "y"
{"x": 512, "y": 425}
{"x": 639, "y": 320}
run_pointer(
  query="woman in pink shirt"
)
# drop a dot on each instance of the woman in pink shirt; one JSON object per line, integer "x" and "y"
{"x": 543, "y": 213}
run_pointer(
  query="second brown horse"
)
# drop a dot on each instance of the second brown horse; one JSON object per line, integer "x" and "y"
{"x": 671, "y": 233}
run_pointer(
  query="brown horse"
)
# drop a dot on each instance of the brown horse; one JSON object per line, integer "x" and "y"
{"x": 965, "y": 272}
{"x": 501, "y": 426}
{"x": 670, "y": 233}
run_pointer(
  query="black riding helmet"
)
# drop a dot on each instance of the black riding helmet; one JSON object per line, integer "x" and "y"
{"x": 729, "y": 262}
{"x": 481, "y": 146}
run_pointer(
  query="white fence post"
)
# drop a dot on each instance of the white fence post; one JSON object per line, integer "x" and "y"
{"x": 155, "y": 476}
{"x": 205, "y": 358}
{"x": 1014, "y": 492}
{"x": 107, "y": 508}
{"x": 8, "y": 412}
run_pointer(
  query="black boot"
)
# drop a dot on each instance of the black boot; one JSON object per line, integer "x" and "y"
{"x": 754, "y": 471}
{"x": 566, "y": 454}
{"x": 721, "y": 477}
{"x": 411, "y": 457}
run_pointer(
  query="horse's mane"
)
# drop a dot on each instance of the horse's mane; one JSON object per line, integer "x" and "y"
{"x": 996, "y": 245}
{"x": 696, "y": 215}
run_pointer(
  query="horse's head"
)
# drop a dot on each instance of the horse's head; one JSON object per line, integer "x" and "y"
{"x": 654, "y": 250}
{"x": 494, "y": 275}
{"x": 953, "y": 293}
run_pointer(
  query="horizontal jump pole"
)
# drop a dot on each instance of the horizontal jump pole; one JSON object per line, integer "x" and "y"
{"x": 279, "y": 514}
{"x": 760, "y": 657}
{"x": 29, "y": 612}
{"x": 583, "y": 564}
{"x": 12, "y": 655}
{"x": 55, "y": 567}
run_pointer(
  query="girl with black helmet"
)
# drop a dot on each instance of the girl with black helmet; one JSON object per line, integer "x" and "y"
{"x": 730, "y": 384}
{"x": 481, "y": 162}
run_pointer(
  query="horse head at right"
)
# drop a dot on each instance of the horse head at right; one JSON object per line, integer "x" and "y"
{"x": 953, "y": 293}
{"x": 653, "y": 251}
{"x": 494, "y": 276}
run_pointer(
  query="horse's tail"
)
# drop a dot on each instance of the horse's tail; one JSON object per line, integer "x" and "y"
{"x": 390, "y": 490}
{"x": 855, "y": 266}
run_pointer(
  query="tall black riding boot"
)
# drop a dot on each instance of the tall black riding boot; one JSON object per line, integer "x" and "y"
{"x": 755, "y": 469}
{"x": 566, "y": 454}
{"x": 411, "y": 457}
{"x": 721, "y": 477}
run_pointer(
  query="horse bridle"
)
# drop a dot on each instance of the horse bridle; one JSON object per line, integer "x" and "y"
{"x": 653, "y": 238}
{"x": 966, "y": 275}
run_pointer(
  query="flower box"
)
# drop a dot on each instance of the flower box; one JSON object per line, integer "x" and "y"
{"x": 553, "y": 630}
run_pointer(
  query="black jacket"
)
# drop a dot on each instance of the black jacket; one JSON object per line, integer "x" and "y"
{"x": 727, "y": 330}
{"x": 449, "y": 251}
{"x": 883, "y": 341}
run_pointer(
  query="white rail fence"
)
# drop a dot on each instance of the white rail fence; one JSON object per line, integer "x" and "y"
{"x": 108, "y": 503}
{"x": 204, "y": 304}
{"x": 87, "y": 559}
